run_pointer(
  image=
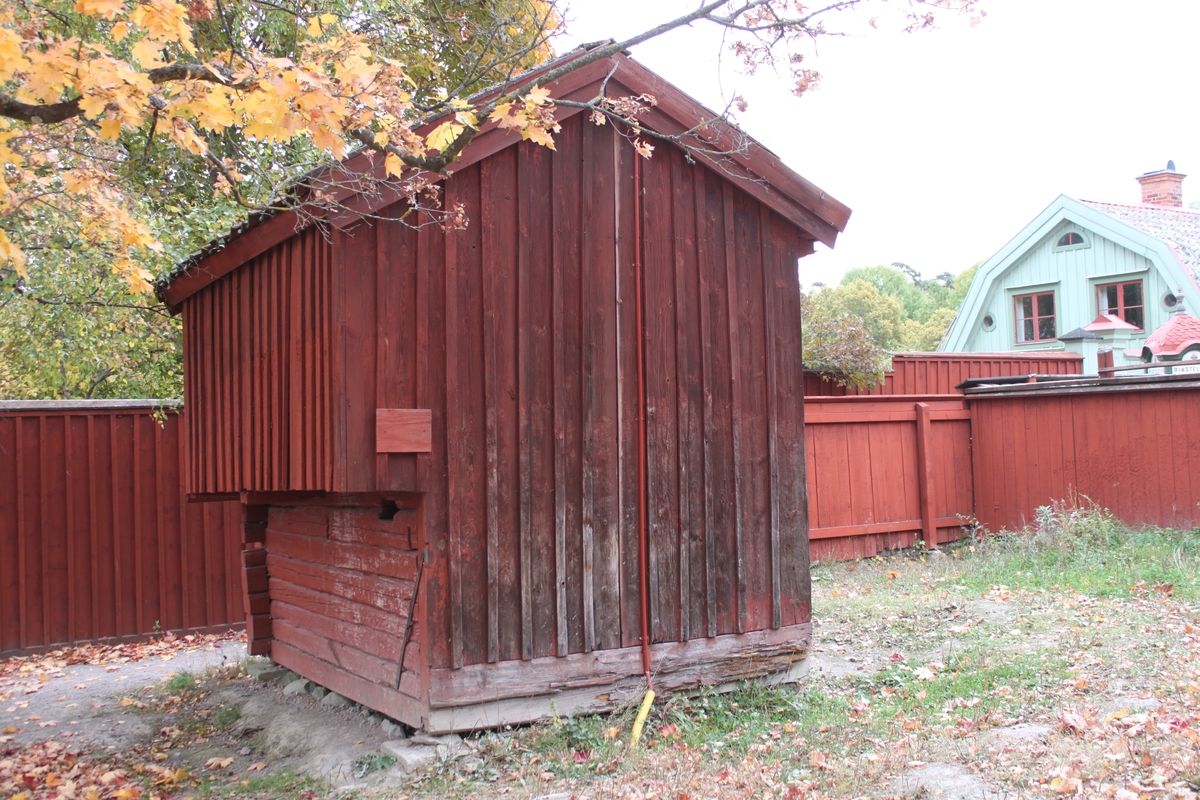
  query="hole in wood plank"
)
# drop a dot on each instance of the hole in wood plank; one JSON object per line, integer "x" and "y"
{"x": 388, "y": 510}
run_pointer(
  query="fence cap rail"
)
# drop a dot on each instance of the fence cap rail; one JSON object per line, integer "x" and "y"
{"x": 1008, "y": 380}
{"x": 1080, "y": 384}
{"x": 86, "y": 405}
{"x": 998, "y": 355}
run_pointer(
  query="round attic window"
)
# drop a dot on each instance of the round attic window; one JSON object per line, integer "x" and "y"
{"x": 1170, "y": 300}
{"x": 1071, "y": 239}
{"x": 989, "y": 322}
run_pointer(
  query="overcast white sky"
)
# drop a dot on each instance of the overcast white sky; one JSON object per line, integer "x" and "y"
{"x": 946, "y": 143}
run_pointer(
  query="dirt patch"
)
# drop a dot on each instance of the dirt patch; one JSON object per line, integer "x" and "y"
{"x": 944, "y": 782}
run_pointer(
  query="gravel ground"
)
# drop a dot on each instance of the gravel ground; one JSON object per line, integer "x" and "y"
{"x": 78, "y": 703}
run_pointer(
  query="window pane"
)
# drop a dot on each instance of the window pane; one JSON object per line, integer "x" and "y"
{"x": 1108, "y": 295}
{"x": 1024, "y": 307}
{"x": 1045, "y": 305}
{"x": 1025, "y": 331}
{"x": 1133, "y": 294}
{"x": 1134, "y": 317}
{"x": 1046, "y": 328}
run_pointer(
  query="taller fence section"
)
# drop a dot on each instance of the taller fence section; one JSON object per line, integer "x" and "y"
{"x": 97, "y": 540}
{"x": 1131, "y": 445}
{"x": 886, "y": 472}
{"x": 940, "y": 373}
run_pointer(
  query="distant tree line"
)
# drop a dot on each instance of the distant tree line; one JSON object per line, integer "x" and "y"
{"x": 851, "y": 330}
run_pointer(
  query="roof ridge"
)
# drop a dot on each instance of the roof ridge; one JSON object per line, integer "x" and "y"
{"x": 1142, "y": 206}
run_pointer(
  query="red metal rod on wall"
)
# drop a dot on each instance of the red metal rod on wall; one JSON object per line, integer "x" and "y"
{"x": 643, "y": 538}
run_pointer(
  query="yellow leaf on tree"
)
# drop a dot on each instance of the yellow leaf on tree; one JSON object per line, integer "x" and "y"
{"x": 467, "y": 118}
{"x": 165, "y": 20}
{"x": 11, "y": 57}
{"x": 110, "y": 128}
{"x": 317, "y": 25}
{"x": 500, "y": 112}
{"x": 444, "y": 135}
{"x": 148, "y": 53}
{"x": 119, "y": 31}
{"x": 393, "y": 165}
{"x": 538, "y": 136}
{"x": 538, "y": 96}
{"x": 15, "y": 256}
{"x": 109, "y": 9}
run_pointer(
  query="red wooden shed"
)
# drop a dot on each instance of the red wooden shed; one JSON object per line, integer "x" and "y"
{"x": 435, "y": 436}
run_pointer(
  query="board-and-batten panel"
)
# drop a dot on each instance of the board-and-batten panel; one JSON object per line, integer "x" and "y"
{"x": 97, "y": 541}
{"x": 1133, "y": 453}
{"x": 518, "y": 332}
{"x": 258, "y": 373}
{"x": 1073, "y": 275}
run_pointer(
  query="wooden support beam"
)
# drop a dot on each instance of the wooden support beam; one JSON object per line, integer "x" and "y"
{"x": 256, "y": 597}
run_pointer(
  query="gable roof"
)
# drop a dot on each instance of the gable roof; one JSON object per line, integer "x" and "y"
{"x": 754, "y": 169}
{"x": 1164, "y": 253}
{"x": 1178, "y": 227}
{"x": 1110, "y": 322}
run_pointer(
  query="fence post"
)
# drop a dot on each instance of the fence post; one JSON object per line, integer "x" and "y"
{"x": 925, "y": 476}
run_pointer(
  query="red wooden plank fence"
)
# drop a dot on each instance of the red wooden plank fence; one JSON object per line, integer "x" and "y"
{"x": 885, "y": 472}
{"x": 97, "y": 541}
{"x": 96, "y": 538}
{"x": 939, "y": 373}
{"x": 1134, "y": 452}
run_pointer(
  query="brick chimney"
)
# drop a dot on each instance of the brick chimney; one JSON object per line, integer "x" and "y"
{"x": 1163, "y": 187}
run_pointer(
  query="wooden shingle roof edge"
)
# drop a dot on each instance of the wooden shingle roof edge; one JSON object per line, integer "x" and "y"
{"x": 754, "y": 168}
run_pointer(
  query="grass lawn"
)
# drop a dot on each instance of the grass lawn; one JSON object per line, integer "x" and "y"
{"x": 1058, "y": 662}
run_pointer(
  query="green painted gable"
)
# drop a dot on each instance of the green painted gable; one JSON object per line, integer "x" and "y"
{"x": 1033, "y": 262}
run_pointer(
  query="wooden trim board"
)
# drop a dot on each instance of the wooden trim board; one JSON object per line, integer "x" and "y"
{"x": 403, "y": 430}
{"x": 514, "y": 692}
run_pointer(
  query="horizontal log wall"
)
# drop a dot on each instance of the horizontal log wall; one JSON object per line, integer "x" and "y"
{"x": 939, "y": 373}
{"x": 97, "y": 540}
{"x": 1136, "y": 453}
{"x": 341, "y": 588}
{"x": 880, "y": 477}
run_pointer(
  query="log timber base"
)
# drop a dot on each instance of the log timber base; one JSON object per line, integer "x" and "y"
{"x": 482, "y": 696}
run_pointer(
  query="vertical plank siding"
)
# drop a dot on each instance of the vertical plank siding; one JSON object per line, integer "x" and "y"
{"x": 865, "y": 467}
{"x": 1136, "y": 453}
{"x": 97, "y": 540}
{"x": 258, "y": 377}
{"x": 535, "y": 464}
{"x": 939, "y": 373}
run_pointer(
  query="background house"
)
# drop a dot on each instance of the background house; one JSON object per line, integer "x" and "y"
{"x": 1109, "y": 269}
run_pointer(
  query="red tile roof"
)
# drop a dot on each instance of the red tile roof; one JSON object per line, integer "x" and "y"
{"x": 1174, "y": 336}
{"x": 1110, "y": 322}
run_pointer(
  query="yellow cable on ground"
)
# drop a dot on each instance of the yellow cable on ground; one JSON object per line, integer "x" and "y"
{"x": 643, "y": 712}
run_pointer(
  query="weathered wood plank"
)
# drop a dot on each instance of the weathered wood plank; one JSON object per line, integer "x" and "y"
{"x": 364, "y": 558}
{"x": 703, "y": 662}
{"x": 735, "y": 406}
{"x": 383, "y": 699}
{"x": 403, "y": 430}
{"x": 387, "y": 594}
{"x": 661, "y": 378}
